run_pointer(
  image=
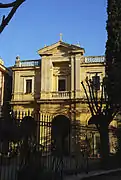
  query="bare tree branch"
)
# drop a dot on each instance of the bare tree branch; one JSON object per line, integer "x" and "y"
{"x": 101, "y": 99}
{"x": 92, "y": 90}
{"x": 5, "y": 20}
{"x": 91, "y": 97}
{"x": 7, "y": 5}
{"x": 91, "y": 109}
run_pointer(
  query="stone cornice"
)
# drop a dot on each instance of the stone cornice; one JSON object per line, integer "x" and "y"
{"x": 3, "y": 68}
{"x": 92, "y": 64}
{"x": 70, "y": 48}
{"x": 24, "y": 68}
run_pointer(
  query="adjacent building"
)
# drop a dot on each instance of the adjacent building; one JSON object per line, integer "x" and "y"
{"x": 5, "y": 88}
{"x": 2, "y": 72}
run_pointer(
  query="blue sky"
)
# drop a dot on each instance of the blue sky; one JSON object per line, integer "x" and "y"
{"x": 39, "y": 22}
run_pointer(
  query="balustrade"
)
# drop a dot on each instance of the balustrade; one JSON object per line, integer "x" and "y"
{"x": 28, "y": 63}
{"x": 19, "y": 96}
{"x": 61, "y": 94}
{"x": 94, "y": 59}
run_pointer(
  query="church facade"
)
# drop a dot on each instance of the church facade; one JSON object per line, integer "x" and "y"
{"x": 51, "y": 85}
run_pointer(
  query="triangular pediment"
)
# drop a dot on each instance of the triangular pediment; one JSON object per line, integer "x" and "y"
{"x": 60, "y": 48}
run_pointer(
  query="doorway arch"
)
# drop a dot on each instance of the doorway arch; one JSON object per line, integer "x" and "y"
{"x": 60, "y": 134}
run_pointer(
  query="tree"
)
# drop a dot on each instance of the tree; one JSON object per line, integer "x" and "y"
{"x": 14, "y": 6}
{"x": 102, "y": 113}
{"x": 113, "y": 51}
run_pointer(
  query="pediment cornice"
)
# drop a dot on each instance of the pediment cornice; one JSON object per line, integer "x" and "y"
{"x": 61, "y": 48}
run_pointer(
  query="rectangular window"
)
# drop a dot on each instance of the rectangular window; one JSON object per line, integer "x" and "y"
{"x": 96, "y": 82}
{"x": 61, "y": 85}
{"x": 28, "y": 86}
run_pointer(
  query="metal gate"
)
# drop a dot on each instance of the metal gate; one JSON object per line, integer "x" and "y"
{"x": 48, "y": 164}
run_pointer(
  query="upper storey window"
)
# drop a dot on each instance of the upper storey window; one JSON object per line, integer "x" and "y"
{"x": 96, "y": 82}
{"x": 28, "y": 86}
{"x": 61, "y": 84}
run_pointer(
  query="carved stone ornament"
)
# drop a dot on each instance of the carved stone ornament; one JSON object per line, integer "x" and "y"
{"x": 59, "y": 71}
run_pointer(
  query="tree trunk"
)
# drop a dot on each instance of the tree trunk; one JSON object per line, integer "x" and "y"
{"x": 104, "y": 142}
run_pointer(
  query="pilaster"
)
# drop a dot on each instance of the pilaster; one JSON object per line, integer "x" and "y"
{"x": 46, "y": 77}
{"x": 43, "y": 74}
{"x": 75, "y": 76}
{"x": 72, "y": 76}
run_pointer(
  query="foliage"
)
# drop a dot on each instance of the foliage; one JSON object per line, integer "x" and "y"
{"x": 113, "y": 51}
{"x": 113, "y": 57}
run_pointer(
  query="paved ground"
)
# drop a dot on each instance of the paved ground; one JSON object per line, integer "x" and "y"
{"x": 97, "y": 175}
{"x": 116, "y": 177}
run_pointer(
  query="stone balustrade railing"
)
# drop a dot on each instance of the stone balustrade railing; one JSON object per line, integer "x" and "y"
{"x": 65, "y": 95}
{"x": 61, "y": 94}
{"x": 34, "y": 63}
{"x": 27, "y": 63}
{"x": 94, "y": 59}
{"x": 20, "y": 96}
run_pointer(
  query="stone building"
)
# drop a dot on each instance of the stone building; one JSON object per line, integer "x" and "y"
{"x": 5, "y": 88}
{"x": 51, "y": 85}
{"x": 2, "y": 72}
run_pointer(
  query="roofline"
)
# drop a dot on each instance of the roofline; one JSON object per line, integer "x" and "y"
{"x": 3, "y": 68}
{"x": 61, "y": 42}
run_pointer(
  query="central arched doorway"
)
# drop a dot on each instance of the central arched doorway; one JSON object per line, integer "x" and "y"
{"x": 60, "y": 135}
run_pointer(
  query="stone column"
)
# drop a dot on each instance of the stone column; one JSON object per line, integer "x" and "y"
{"x": 46, "y": 77}
{"x": 43, "y": 61}
{"x": 0, "y": 94}
{"x": 77, "y": 75}
{"x": 51, "y": 76}
{"x": 43, "y": 73}
{"x": 47, "y": 70}
{"x": 48, "y": 74}
{"x": 17, "y": 85}
{"x": 72, "y": 76}
{"x": 2, "y": 88}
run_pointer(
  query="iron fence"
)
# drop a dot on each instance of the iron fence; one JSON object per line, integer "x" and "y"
{"x": 42, "y": 154}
